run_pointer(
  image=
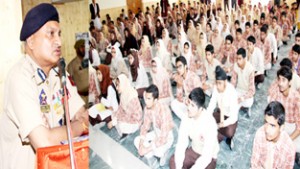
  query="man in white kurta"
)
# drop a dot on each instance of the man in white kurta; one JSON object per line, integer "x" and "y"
{"x": 201, "y": 129}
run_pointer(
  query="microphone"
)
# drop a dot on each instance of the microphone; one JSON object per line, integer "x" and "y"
{"x": 62, "y": 70}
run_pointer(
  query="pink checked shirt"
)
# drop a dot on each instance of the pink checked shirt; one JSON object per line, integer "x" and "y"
{"x": 291, "y": 103}
{"x": 160, "y": 117}
{"x": 284, "y": 151}
{"x": 132, "y": 113}
{"x": 191, "y": 81}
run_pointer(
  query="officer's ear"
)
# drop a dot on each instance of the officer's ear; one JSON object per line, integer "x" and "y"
{"x": 30, "y": 42}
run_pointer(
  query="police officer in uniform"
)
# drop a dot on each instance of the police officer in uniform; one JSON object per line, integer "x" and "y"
{"x": 79, "y": 72}
{"x": 33, "y": 110}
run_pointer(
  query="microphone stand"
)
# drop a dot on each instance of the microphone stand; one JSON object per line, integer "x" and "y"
{"x": 67, "y": 114}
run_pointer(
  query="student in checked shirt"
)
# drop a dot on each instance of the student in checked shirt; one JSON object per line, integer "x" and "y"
{"x": 272, "y": 147}
{"x": 128, "y": 117}
{"x": 186, "y": 82}
{"x": 256, "y": 58}
{"x": 224, "y": 106}
{"x": 200, "y": 127}
{"x": 209, "y": 67}
{"x": 158, "y": 115}
{"x": 227, "y": 55}
{"x": 290, "y": 99}
{"x": 243, "y": 80}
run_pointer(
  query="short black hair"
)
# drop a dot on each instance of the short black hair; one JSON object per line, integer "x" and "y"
{"x": 286, "y": 62}
{"x": 241, "y": 51}
{"x": 262, "y": 15}
{"x": 255, "y": 22}
{"x": 153, "y": 90}
{"x": 197, "y": 96}
{"x": 283, "y": 14}
{"x": 297, "y": 35}
{"x": 248, "y": 24}
{"x": 209, "y": 24}
{"x": 274, "y": 17}
{"x": 251, "y": 39}
{"x": 239, "y": 30}
{"x": 237, "y": 22}
{"x": 276, "y": 110}
{"x": 182, "y": 60}
{"x": 285, "y": 72}
{"x": 266, "y": 25}
{"x": 296, "y": 48}
{"x": 229, "y": 37}
{"x": 209, "y": 48}
{"x": 264, "y": 29}
{"x": 92, "y": 27}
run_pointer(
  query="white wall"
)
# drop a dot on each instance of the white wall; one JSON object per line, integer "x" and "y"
{"x": 10, "y": 45}
{"x": 105, "y": 4}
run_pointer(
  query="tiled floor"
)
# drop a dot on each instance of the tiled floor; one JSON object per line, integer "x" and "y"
{"x": 238, "y": 158}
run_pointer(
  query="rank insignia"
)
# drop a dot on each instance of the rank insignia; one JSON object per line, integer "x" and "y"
{"x": 45, "y": 108}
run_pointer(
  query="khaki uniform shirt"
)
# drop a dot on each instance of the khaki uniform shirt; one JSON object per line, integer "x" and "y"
{"x": 80, "y": 76}
{"x": 30, "y": 99}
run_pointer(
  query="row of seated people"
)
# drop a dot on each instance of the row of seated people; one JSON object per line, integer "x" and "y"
{"x": 224, "y": 104}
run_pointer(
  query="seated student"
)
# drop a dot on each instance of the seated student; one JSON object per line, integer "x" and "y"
{"x": 128, "y": 117}
{"x": 227, "y": 55}
{"x": 161, "y": 78}
{"x": 109, "y": 97}
{"x": 157, "y": 116}
{"x": 286, "y": 27}
{"x": 276, "y": 30}
{"x": 272, "y": 147}
{"x": 243, "y": 80}
{"x": 209, "y": 67}
{"x": 217, "y": 40}
{"x": 186, "y": 81}
{"x": 200, "y": 127}
{"x": 117, "y": 65}
{"x": 290, "y": 99}
{"x": 138, "y": 75}
{"x": 239, "y": 41}
{"x": 265, "y": 46}
{"x": 102, "y": 43}
{"x": 256, "y": 58}
{"x": 248, "y": 31}
{"x": 263, "y": 19}
{"x": 167, "y": 40}
{"x": 273, "y": 43}
{"x": 94, "y": 86}
{"x": 163, "y": 54}
{"x": 224, "y": 106}
{"x": 130, "y": 42}
{"x": 234, "y": 27}
{"x": 256, "y": 30}
{"x": 145, "y": 52}
{"x": 189, "y": 57}
{"x": 177, "y": 49}
{"x": 208, "y": 31}
{"x": 295, "y": 58}
{"x": 295, "y": 82}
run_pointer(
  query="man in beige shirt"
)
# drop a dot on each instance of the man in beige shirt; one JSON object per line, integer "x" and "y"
{"x": 33, "y": 112}
{"x": 79, "y": 73}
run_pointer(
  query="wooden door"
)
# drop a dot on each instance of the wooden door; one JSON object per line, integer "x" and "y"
{"x": 133, "y": 5}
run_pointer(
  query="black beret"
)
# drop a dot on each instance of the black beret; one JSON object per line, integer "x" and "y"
{"x": 36, "y": 18}
{"x": 220, "y": 73}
